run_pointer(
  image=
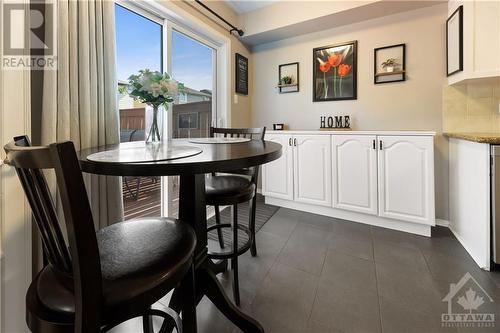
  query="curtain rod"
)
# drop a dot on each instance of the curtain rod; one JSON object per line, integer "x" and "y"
{"x": 233, "y": 28}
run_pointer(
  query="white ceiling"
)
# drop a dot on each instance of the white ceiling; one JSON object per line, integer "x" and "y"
{"x": 244, "y": 6}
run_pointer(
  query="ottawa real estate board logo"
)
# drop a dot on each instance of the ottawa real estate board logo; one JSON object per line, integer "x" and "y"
{"x": 28, "y": 35}
{"x": 469, "y": 305}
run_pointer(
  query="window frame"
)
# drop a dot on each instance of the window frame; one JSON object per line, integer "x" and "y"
{"x": 171, "y": 17}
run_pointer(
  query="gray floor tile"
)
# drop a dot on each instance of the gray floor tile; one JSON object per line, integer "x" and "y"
{"x": 395, "y": 254}
{"x": 306, "y": 249}
{"x": 318, "y": 221}
{"x": 349, "y": 272}
{"x": 282, "y": 223}
{"x": 398, "y": 318}
{"x": 354, "y": 244}
{"x": 345, "y": 309}
{"x": 351, "y": 229}
{"x": 413, "y": 289}
{"x": 284, "y": 301}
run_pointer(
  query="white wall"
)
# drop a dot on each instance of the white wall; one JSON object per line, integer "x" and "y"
{"x": 415, "y": 104}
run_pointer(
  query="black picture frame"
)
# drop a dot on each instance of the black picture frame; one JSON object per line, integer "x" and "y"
{"x": 386, "y": 77}
{"x": 350, "y": 58}
{"x": 241, "y": 74}
{"x": 295, "y": 86}
{"x": 460, "y": 35}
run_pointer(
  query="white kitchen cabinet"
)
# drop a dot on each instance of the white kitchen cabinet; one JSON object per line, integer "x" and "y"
{"x": 406, "y": 178}
{"x": 354, "y": 173}
{"x": 277, "y": 176}
{"x": 481, "y": 39}
{"x": 312, "y": 169}
{"x": 343, "y": 175}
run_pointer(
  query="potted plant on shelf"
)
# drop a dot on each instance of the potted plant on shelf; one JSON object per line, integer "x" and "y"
{"x": 389, "y": 65}
{"x": 156, "y": 90}
{"x": 286, "y": 80}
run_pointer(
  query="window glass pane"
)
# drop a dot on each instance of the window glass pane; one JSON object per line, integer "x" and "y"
{"x": 192, "y": 64}
{"x": 138, "y": 46}
{"x": 192, "y": 113}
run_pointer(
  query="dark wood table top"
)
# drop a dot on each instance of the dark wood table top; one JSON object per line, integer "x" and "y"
{"x": 213, "y": 158}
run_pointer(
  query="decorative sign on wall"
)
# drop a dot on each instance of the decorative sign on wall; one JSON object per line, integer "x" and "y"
{"x": 241, "y": 71}
{"x": 335, "y": 123}
{"x": 335, "y": 72}
{"x": 454, "y": 42}
{"x": 389, "y": 64}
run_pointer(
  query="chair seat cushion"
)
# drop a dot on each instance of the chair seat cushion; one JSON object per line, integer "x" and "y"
{"x": 228, "y": 189}
{"x": 136, "y": 256}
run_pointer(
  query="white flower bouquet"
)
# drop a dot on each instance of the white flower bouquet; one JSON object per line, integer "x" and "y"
{"x": 155, "y": 89}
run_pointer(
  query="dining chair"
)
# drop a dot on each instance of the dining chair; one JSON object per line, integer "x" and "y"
{"x": 97, "y": 280}
{"x": 231, "y": 189}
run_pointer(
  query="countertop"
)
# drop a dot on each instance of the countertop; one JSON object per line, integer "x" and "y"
{"x": 491, "y": 138}
{"x": 351, "y": 132}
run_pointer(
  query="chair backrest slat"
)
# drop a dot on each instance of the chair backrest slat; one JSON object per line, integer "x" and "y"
{"x": 257, "y": 133}
{"x": 82, "y": 257}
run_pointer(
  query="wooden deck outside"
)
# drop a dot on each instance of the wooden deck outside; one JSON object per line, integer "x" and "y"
{"x": 148, "y": 201}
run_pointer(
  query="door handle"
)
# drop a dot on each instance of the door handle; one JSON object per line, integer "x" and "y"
{"x": 290, "y": 142}
{"x": 374, "y": 144}
{"x": 295, "y": 141}
{"x": 380, "y": 144}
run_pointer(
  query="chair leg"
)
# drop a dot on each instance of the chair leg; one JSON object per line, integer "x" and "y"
{"x": 234, "y": 259}
{"x": 189, "y": 302}
{"x": 253, "y": 207}
{"x": 220, "y": 236}
{"x": 147, "y": 324}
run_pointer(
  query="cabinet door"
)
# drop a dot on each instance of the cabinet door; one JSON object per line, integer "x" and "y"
{"x": 354, "y": 166}
{"x": 406, "y": 178}
{"x": 277, "y": 176}
{"x": 312, "y": 169}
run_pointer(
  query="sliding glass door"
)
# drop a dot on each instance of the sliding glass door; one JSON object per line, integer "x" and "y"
{"x": 146, "y": 41}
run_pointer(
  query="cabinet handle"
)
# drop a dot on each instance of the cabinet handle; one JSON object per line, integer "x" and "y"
{"x": 295, "y": 141}
{"x": 374, "y": 144}
{"x": 380, "y": 144}
{"x": 290, "y": 142}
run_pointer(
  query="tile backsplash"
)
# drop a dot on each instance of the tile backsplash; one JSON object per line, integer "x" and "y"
{"x": 472, "y": 107}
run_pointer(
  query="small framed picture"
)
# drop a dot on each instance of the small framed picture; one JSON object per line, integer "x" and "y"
{"x": 389, "y": 64}
{"x": 241, "y": 72}
{"x": 278, "y": 127}
{"x": 454, "y": 42}
{"x": 288, "y": 78}
{"x": 335, "y": 72}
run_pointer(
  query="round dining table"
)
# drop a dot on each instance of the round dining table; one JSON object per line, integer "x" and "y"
{"x": 191, "y": 161}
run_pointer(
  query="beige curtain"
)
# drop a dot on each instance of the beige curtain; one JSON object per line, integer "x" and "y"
{"x": 80, "y": 98}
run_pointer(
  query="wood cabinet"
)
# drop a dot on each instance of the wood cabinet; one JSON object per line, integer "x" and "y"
{"x": 481, "y": 39}
{"x": 406, "y": 178}
{"x": 277, "y": 176}
{"x": 354, "y": 173}
{"x": 312, "y": 169}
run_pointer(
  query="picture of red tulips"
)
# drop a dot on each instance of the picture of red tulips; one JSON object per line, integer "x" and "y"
{"x": 340, "y": 84}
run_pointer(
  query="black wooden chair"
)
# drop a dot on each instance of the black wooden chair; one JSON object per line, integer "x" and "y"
{"x": 104, "y": 278}
{"x": 231, "y": 189}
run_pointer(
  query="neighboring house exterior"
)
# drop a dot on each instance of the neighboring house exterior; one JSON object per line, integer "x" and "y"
{"x": 192, "y": 113}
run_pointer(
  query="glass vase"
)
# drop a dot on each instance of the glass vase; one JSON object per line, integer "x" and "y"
{"x": 154, "y": 123}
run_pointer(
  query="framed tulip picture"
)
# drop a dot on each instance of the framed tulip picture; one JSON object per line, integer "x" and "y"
{"x": 335, "y": 72}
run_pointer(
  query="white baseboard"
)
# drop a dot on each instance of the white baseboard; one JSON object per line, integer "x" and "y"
{"x": 414, "y": 228}
{"x": 443, "y": 223}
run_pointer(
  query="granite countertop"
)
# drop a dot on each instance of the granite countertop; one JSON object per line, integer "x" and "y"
{"x": 492, "y": 138}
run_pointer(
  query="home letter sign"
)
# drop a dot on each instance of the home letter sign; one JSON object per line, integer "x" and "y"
{"x": 343, "y": 122}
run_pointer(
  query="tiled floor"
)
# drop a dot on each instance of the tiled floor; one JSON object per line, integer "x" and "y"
{"x": 316, "y": 274}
